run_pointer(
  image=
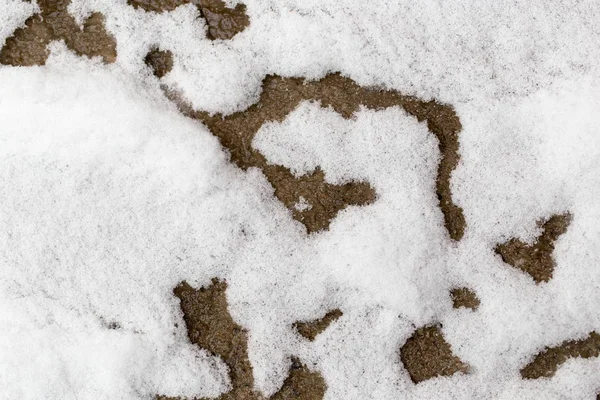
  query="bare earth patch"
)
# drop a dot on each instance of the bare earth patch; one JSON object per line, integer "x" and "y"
{"x": 464, "y": 297}
{"x": 426, "y": 355}
{"x": 29, "y": 45}
{"x": 160, "y": 61}
{"x": 211, "y": 327}
{"x": 536, "y": 259}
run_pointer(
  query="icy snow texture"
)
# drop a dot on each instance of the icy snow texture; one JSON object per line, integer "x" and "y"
{"x": 110, "y": 198}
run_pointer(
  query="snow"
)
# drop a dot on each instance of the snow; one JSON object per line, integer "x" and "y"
{"x": 110, "y": 198}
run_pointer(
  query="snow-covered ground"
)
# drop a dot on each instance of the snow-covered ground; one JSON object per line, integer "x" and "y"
{"x": 109, "y": 198}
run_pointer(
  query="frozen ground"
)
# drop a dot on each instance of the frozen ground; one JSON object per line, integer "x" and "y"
{"x": 110, "y": 197}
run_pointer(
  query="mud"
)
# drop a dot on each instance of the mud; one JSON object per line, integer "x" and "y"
{"x": 28, "y": 45}
{"x": 464, "y": 297}
{"x": 426, "y": 355}
{"x": 536, "y": 259}
{"x": 223, "y": 22}
{"x": 547, "y": 362}
{"x": 280, "y": 96}
{"x": 311, "y": 329}
{"x": 210, "y": 326}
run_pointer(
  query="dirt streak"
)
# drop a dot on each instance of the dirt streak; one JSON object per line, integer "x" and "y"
{"x": 310, "y": 329}
{"x": 280, "y": 96}
{"x": 547, "y": 362}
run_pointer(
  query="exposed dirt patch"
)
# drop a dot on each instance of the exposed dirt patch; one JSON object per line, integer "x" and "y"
{"x": 29, "y": 45}
{"x": 280, "y": 96}
{"x": 301, "y": 384}
{"x": 536, "y": 259}
{"x": 223, "y": 22}
{"x": 426, "y": 354}
{"x": 547, "y": 362}
{"x": 160, "y": 61}
{"x": 464, "y": 297}
{"x": 311, "y": 329}
{"x": 210, "y": 326}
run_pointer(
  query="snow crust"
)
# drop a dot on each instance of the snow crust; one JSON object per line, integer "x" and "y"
{"x": 109, "y": 198}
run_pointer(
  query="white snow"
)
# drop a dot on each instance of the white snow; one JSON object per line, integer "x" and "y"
{"x": 302, "y": 204}
{"x": 109, "y": 198}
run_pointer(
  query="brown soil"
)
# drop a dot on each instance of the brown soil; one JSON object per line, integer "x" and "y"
{"x": 280, "y": 96}
{"x": 223, "y": 22}
{"x": 29, "y": 45}
{"x": 301, "y": 384}
{"x": 426, "y": 354}
{"x": 210, "y": 326}
{"x": 464, "y": 297}
{"x": 547, "y": 362}
{"x": 311, "y": 329}
{"x": 160, "y": 61}
{"x": 536, "y": 259}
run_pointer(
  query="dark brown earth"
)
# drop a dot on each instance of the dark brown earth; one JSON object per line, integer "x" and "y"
{"x": 547, "y": 362}
{"x": 301, "y": 384}
{"x": 464, "y": 297}
{"x": 536, "y": 259}
{"x": 311, "y": 329}
{"x": 223, "y": 22}
{"x": 426, "y": 354}
{"x": 29, "y": 45}
{"x": 160, "y": 61}
{"x": 280, "y": 96}
{"x": 211, "y": 327}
